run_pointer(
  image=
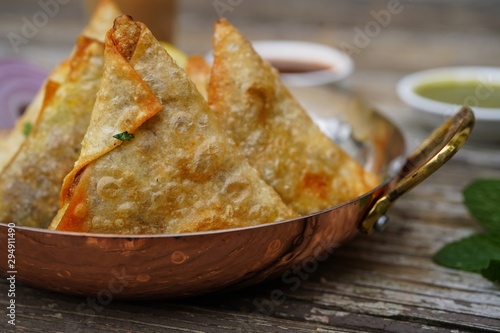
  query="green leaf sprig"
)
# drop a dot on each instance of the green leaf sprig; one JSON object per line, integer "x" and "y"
{"x": 480, "y": 252}
{"x": 27, "y": 128}
{"x": 125, "y": 136}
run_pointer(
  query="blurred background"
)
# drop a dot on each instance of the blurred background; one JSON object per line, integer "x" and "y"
{"x": 439, "y": 26}
{"x": 386, "y": 39}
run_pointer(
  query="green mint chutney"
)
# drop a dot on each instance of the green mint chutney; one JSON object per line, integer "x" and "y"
{"x": 471, "y": 93}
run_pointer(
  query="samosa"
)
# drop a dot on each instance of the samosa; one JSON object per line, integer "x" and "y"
{"x": 12, "y": 143}
{"x": 100, "y": 22}
{"x": 31, "y": 181}
{"x": 45, "y": 143}
{"x": 308, "y": 170}
{"x": 154, "y": 159}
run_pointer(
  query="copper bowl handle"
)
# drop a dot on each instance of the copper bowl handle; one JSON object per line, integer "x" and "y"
{"x": 435, "y": 151}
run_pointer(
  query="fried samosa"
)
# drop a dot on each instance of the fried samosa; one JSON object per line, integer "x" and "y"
{"x": 31, "y": 181}
{"x": 154, "y": 159}
{"x": 12, "y": 143}
{"x": 35, "y": 162}
{"x": 275, "y": 133}
{"x": 101, "y": 21}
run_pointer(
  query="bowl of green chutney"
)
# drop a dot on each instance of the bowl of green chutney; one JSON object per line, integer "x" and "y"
{"x": 436, "y": 94}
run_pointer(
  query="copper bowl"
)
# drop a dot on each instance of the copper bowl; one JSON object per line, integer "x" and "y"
{"x": 183, "y": 265}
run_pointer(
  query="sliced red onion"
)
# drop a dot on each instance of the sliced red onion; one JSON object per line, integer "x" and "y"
{"x": 19, "y": 83}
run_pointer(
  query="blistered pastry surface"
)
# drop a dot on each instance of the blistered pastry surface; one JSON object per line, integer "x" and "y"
{"x": 180, "y": 173}
{"x": 31, "y": 182}
{"x": 275, "y": 133}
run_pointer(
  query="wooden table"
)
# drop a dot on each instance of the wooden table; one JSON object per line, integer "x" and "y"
{"x": 385, "y": 282}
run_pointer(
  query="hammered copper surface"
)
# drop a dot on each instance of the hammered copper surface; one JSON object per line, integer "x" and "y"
{"x": 174, "y": 266}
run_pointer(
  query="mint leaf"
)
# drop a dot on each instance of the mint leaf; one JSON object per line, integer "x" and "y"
{"x": 482, "y": 198}
{"x": 471, "y": 254}
{"x": 27, "y": 127}
{"x": 125, "y": 136}
{"x": 478, "y": 253}
{"x": 492, "y": 272}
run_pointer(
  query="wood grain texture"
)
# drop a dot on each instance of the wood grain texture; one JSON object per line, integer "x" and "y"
{"x": 385, "y": 282}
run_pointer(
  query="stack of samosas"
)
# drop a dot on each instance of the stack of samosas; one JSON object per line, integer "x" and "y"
{"x": 124, "y": 141}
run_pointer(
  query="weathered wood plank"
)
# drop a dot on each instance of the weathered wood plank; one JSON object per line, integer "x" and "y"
{"x": 39, "y": 311}
{"x": 384, "y": 282}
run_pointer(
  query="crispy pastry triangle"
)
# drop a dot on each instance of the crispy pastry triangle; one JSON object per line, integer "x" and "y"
{"x": 32, "y": 167}
{"x": 277, "y": 136}
{"x": 180, "y": 172}
{"x": 100, "y": 22}
{"x": 31, "y": 180}
{"x": 10, "y": 145}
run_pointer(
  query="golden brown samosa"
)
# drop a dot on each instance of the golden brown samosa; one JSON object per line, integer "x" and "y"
{"x": 31, "y": 180}
{"x": 33, "y": 165}
{"x": 100, "y": 22}
{"x": 154, "y": 159}
{"x": 277, "y": 136}
{"x": 12, "y": 143}
{"x": 13, "y": 140}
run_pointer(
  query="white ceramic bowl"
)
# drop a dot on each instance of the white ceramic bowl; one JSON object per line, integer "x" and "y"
{"x": 332, "y": 64}
{"x": 433, "y": 113}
